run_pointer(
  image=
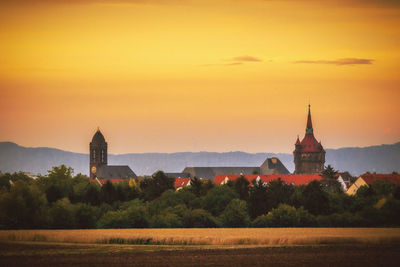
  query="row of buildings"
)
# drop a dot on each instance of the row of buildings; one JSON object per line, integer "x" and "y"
{"x": 348, "y": 187}
{"x": 309, "y": 160}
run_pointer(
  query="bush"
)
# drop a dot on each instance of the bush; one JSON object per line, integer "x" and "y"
{"x": 168, "y": 220}
{"x": 235, "y": 214}
{"x": 132, "y": 217}
{"x": 199, "y": 218}
{"x": 218, "y": 198}
{"x": 23, "y": 207}
{"x": 285, "y": 216}
{"x": 62, "y": 214}
{"x": 346, "y": 219}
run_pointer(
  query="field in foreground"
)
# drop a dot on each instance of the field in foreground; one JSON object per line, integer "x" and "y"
{"x": 213, "y": 236}
{"x": 202, "y": 247}
{"x": 62, "y": 254}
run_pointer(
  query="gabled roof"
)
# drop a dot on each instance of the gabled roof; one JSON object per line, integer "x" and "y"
{"x": 296, "y": 179}
{"x": 273, "y": 166}
{"x": 180, "y": 182}
{"x": 115, "y": 172}
{"x": 220, "y": 178}
{"x": 210, "y": 172}
{"x": 369, "y": 178}
{"x": 103, "y": 181}
{"x": 177, "y": 175}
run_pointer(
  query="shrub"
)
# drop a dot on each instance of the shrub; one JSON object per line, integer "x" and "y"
{"x": 168, "y": 220}
{"x": 285, "y": 216}
{"x": 199, "y": 218}
{"x": 218, "y": 198}
{"x": 235, "y": 214}
{"x": 132, "y": 217}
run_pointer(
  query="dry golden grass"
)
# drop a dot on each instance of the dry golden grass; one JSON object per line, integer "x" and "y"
{"x": 218, "y": 236}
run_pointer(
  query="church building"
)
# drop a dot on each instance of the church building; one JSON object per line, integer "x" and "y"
{"x": 98, "y": 161}
{"x": 309, "y": 155}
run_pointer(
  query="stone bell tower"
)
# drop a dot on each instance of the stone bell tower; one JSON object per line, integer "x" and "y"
{"x": 98, "y": 153}
{"x": 309, "y": 155}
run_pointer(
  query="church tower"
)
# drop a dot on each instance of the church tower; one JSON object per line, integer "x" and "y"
{"x": 309, "y": 155}
{"x": 98, "y": 153}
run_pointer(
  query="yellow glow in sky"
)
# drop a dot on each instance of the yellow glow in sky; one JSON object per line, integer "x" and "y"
{"x": 166, "y": 76}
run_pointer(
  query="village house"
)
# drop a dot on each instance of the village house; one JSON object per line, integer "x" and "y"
{"x": 368, "y": 178}
{"x": 292, "y": 179}
{"x": 181, "y": 182}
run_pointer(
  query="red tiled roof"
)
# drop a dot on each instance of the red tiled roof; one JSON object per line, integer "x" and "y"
{"x": 296, "y": 179}
{"x": 310, "y": 144}
{"x": 113, "y": 181}
{"x": 370, "y": 178}
{"x": 219, "y": 178}
{"x": 179, "y": 182}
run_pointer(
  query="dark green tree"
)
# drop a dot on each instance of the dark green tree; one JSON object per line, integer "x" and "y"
{"x": 329, "y": 172}
{"x": 108, "y": 193}
{"x": 23, "y": 207}
{"x": 258, "y": 199}
{"x": 156, "y": 185}
{"x": 62, "y": 214}
{"x": 218, "y": 198}
{"x": 235, "y": 214}
{"x": 241, "y": 186}
{"x": 315, "y": 199}
{"x": 195, "y": 186}
{"x": 278, "y": 192}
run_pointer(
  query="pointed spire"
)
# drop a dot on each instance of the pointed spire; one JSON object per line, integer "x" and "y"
{"x": 309, "y": 129}
{"x": 297, "y": 141}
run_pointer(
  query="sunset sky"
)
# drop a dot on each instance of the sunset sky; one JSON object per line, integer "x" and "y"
{"x": 220, "y": 75}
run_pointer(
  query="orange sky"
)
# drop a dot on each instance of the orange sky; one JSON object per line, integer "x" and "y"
{"x": 221, "y": 75}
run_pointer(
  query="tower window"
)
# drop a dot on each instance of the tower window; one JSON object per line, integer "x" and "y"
{"x": 102, "y": 155}
{"x": 94, "y": 154}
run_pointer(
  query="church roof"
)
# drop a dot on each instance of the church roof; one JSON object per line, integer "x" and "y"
{"x": 273, "y": 166}
{"x": 98, "y": 138}
{"x": 115, "y": 172}
{"x": 309, "y": 143}
{"x": 177, "y": 175}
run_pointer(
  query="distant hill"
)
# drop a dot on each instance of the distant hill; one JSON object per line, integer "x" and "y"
{"x": 383, "y": 159}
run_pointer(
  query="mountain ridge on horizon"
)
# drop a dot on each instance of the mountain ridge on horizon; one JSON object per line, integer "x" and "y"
{"x": 356, "y": 160}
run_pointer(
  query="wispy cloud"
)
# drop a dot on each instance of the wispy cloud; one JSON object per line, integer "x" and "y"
{"x": 245, "y": 59}
{"x": 239, "y": 60}
{"x": 223, "y": 64}
{"x": 340, "y": 62}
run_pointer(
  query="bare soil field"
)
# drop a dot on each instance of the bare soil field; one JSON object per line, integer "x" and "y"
{"x": 50, "y": 254}
{"x": 202, "y": 247}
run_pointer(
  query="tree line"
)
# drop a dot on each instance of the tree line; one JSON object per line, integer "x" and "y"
{"x": 60, "y": 200}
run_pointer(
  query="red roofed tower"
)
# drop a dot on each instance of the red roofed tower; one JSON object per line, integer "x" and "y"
{"x": 309, "y": 155}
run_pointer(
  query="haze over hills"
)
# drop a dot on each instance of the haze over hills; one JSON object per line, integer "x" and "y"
{"x": 382, "y": 159}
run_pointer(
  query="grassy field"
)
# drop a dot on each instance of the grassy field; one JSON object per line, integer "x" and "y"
{"x": 214, "y": 236}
